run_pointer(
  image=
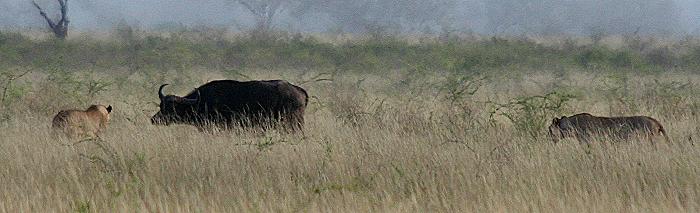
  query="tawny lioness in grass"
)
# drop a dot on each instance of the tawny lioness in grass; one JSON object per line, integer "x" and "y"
{"x": 82, "y": 124}
{"x": 585, "y": 126}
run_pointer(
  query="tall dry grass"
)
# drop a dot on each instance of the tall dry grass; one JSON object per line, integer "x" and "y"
{"x": 389, "y": 143}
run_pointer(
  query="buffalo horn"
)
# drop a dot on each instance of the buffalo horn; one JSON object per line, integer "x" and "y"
{"x": 160, "y": 91}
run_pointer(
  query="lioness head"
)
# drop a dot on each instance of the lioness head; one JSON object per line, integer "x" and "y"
{"x": 100, "y": 112}
{"x": 560, "y": 128}
{"x": 554, "y": 131}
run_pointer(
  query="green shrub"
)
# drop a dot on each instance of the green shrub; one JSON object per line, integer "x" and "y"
{"x": 662, "y": 57}
{"x": 531, "y": 114}
{"x": 599, "y": 56}
{"x": 184, "y": 48}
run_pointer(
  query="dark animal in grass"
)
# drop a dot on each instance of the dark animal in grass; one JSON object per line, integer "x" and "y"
{"x": 585, "y": 127}
{"x": 228, "y": 103}
{"x": 82, "y": 124}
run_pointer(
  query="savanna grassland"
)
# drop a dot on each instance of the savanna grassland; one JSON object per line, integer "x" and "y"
{"x": 394, "y": 124}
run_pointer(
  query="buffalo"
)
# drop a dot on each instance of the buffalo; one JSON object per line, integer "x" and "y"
{"x": 82, "y": 124}
{"x": 585, "y": 126}
{"x": 230, "y": 103}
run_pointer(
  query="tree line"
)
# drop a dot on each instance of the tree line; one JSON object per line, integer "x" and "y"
{"x": 491, "y": 17}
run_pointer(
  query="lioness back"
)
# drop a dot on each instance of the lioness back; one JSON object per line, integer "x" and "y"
{"x": 61, "y": 119}
{"x": 584, "y": 126}
{"x": 82, "y": 124}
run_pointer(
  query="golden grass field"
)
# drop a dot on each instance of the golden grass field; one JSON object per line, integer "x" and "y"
{"x": 395, "y": 142}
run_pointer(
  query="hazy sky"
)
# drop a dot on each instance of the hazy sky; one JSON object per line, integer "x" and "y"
{"x": 103, "y": 14}
{"x": 85, "y": 14}
{"x": 691, "y": 14}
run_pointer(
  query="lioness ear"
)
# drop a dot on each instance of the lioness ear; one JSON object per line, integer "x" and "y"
{"x": 555, "y": 120}
{"x": 109, "y": 109}
{"x": 564, "y": 123}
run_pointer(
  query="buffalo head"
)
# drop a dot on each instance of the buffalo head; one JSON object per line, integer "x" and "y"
{"x": 174, "y": 109}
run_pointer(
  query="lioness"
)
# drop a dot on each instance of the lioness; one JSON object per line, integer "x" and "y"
{"x": 584, "y": 126}
{"x": 78, "y": 124}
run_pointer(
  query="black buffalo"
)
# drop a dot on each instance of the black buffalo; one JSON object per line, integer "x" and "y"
{"x": 228, "y": 103}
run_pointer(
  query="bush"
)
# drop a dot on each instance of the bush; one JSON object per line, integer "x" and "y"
{"x": 531, "y": 114}
{"x": 600, "y": 56}
{"x": 662, "y": 57}
{"x": 186, "y": 48}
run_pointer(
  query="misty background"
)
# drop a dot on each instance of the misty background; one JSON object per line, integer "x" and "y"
{"x": 488, "y": 17}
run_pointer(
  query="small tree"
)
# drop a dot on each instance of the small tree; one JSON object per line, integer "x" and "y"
{"x": 264, "y": 12}
{"x": 60, "y": 28}
{"x": 530, "y": 114}
{"x": 383, "y": 15}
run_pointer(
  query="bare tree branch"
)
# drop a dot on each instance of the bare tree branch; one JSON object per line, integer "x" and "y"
{"x": 64, "y": 12}
{"x": 59, "y": 29}
{"x": 247, "y": 6}
{"x": 271, "y": 10}
{"x": 41, "y": 11}
{"x": 263, "y": 10}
